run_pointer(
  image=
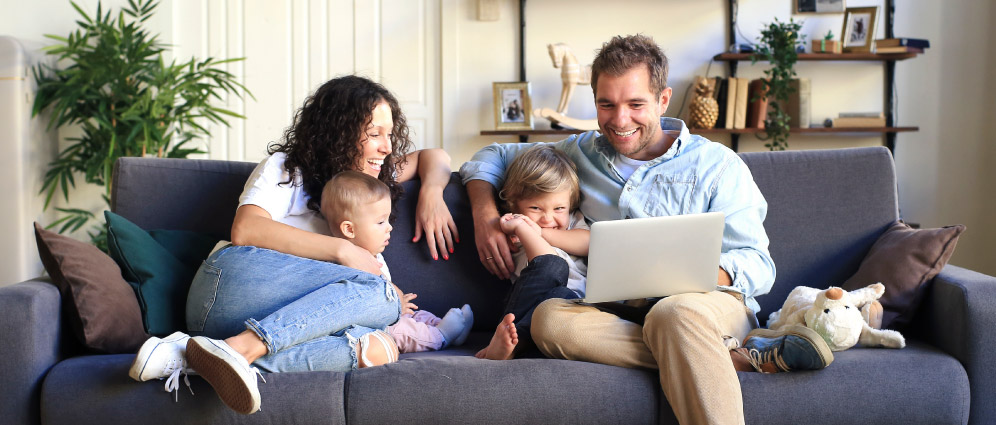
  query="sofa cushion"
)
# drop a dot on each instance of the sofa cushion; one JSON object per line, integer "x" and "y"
{"x": 99, "y": 305}
{"x": 904, "y": 259}
{"x": 97, "y": 390}
{"x": 918, "y": 384}
{"x": 160, "y": 266}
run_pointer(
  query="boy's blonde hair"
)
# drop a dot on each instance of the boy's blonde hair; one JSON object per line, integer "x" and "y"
{"x": 540, "y": 170}
{"x": 345, "y": 193}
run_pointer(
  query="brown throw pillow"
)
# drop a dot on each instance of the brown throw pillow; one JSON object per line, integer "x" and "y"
{"x": 100, "y": 307}
{"x": 904, "y": 259}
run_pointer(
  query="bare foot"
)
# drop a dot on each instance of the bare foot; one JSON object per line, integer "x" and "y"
{"x": 502, "y": 346}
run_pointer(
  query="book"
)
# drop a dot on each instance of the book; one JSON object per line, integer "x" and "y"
{"x": 799, "y": 103}
{"x": 740, "y": 111}
{"x": 723, "y": 87}
{"x": 731, "y": 102}
{"x": 903, "y": 41}
{"x": 757, "y": 104}
{"x": 859, "y": 114}
{"x": 859, "y": 122}
{"x": 898, "y": 49}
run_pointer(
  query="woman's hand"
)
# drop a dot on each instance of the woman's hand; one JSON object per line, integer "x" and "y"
{"x": 432, "y": 216}
{"x": 358, "y": 258}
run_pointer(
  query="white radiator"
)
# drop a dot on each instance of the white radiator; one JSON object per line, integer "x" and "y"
{"x": 25, "y": 149}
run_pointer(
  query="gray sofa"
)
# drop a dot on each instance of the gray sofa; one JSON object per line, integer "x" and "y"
{"x": 826, "y": 208}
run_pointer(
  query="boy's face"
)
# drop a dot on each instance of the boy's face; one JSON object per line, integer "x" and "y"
{"x": 548, "y": 210}
{"x": 371, "y": 229}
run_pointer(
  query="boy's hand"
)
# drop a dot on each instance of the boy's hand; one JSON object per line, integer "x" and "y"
{"x": 406, "y": 304}
{"x": 513, "y": 224}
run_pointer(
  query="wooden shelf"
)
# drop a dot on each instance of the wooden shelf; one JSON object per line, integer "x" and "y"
{"x": 812, "y": 131}
{"x": 734, "y": 57}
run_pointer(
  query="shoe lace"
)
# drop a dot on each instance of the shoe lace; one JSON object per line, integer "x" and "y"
{"x": 175, "y": 368}
{"x": 758, "y": 359}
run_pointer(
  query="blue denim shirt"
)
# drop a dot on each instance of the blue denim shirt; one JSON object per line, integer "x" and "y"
{"x": 694, "y": 176}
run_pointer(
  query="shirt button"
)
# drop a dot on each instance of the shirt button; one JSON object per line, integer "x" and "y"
{"x": 629, "y": 188}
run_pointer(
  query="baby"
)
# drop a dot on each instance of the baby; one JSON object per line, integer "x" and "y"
{"x": 357, "y": 208}
{"x": 542, "y": 192}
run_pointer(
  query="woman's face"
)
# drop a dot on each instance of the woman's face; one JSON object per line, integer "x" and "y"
{"x": 376, "y": 143}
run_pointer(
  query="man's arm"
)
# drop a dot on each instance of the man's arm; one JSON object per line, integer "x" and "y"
{"x": 745, "y": 260}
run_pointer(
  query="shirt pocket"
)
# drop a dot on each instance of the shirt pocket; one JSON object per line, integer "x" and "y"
{"x": 670, "y": 195}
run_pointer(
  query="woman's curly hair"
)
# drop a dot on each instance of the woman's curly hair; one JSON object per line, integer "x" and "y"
{"x": 327, "y": 131}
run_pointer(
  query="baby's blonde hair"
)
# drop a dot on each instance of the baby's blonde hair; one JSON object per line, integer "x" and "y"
{"x": 539, "y": 170}
{"x": 345, "y": 193}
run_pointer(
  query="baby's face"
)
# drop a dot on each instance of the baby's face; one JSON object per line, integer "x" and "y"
{"x": 373, "y": 231}
{"x": 548, "y": 210}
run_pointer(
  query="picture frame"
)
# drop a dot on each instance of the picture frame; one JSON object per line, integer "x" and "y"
{"x": 513, "y": 106}
{"x": 818, "y": 6}
{"x": 859, "y": 29}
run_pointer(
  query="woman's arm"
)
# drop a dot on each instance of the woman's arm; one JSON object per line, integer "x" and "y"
{"x": 431, "y": 214}
{"x": 574, "y": 241}
{"x": 254, "y": 226}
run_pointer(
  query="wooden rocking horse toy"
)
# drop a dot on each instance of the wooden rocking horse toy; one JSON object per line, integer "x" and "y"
{"x": 571, "y": 75}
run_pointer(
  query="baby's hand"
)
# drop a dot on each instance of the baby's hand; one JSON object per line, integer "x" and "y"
{"x": 406, "y": 304}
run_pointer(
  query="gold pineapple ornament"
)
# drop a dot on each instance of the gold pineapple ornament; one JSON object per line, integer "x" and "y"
{"x": 704, "y": 109}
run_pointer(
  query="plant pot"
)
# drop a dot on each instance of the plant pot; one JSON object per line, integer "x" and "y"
{"x": 826, "y": 46}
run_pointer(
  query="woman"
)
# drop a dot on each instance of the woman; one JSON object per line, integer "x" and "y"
{"x": 295, "y": 298}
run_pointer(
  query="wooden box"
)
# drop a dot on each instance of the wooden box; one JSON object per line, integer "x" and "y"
{"x": 826, "y": 46}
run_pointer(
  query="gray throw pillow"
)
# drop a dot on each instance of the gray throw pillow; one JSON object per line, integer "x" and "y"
{"x": 904, "y": 259}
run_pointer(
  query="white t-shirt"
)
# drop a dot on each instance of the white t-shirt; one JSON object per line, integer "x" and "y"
{"x": 576, "y": 278}
{"x": 286, "y": 203}
{"x": 626, "y": 166}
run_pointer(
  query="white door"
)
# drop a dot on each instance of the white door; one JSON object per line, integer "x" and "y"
{"x": 293, "y": 46}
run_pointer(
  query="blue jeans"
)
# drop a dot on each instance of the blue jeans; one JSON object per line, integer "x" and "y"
{"x": 308, "y": 313}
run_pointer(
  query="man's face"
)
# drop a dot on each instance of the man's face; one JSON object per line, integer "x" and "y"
{"x": 629, "y": 113}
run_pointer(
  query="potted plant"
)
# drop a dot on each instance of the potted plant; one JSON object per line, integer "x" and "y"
{"x": 126, "y": 100}
{"x": 779, "y": 41}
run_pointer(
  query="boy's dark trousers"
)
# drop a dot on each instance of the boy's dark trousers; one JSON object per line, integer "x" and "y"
{"x": 543, "y": 278}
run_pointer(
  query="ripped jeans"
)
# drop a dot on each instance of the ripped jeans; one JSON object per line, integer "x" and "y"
{"x": 309, "y": 313}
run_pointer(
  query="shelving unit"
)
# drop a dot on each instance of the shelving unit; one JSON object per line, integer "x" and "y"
{"x": 732, "y": 60}
{"x": 889, "y": 60}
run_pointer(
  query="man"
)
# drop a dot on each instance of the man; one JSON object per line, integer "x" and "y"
{"x": 641, "y": 164}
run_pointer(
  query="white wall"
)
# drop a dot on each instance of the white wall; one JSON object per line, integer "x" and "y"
{"x": 943, "y": 169}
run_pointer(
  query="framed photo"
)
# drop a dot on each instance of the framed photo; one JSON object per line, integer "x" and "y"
{"x": 819, "y": 6}
{"x": 859, "y": 29}
{"x": 513, "y": 107}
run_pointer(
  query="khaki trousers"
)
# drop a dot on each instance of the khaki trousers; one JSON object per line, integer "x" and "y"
{"x": 687, "y": 337}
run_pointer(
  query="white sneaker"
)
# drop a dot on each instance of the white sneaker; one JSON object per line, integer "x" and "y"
{"x": 163, "y": 358}
{"x": 227, "y": 371}
{"x": 159, "y": 357}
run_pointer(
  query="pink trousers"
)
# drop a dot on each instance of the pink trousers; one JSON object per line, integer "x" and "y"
{"x": 417, "y": 332}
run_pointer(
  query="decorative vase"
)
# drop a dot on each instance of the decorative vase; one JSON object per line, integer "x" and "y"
{"x": 704, "y": 110}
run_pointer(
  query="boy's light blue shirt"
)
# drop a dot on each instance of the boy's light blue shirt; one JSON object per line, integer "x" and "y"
{"x": 693, "y": 176}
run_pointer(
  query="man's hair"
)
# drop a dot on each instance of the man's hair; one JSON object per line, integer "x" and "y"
{"x": 540, "y": 170}
{"x": 347, "y": 192}
{"x": 622, "y": 54}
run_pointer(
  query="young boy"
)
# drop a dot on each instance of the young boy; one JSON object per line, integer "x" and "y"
{"x": 358, "y": 208}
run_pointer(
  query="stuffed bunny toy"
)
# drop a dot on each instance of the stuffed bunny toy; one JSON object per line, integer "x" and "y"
{"x": 840, "y": 317}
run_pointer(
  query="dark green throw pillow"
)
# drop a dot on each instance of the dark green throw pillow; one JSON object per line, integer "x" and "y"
{"x": 160, "y": 265}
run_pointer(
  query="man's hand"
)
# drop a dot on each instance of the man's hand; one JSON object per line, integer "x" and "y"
{"x": 492, "y": 243}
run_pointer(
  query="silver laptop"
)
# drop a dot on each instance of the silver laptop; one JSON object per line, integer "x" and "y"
{"x": 653, "y": 257}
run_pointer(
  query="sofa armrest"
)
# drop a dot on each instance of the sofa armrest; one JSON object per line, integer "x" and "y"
{"x": 958, "y": 315}
{"x": 30, "y": 344}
